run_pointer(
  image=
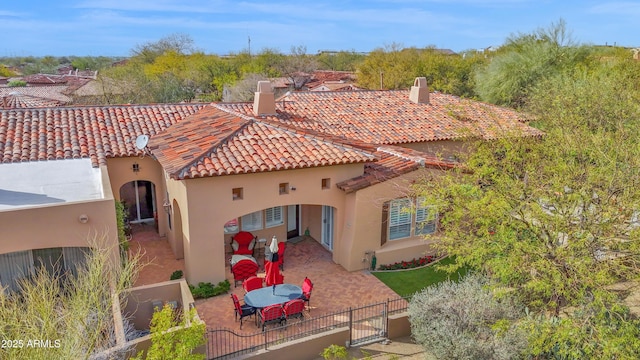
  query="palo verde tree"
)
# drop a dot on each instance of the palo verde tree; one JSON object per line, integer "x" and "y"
{"x": 556, "y": 218}
{"x": 526, "y": 60}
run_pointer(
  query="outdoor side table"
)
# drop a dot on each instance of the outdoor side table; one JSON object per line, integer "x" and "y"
{"x": 263, "y": 297}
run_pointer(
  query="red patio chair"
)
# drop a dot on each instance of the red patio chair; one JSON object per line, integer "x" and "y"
{"x": 243, "y": 310}
{"x": 307, "y": 287}
{"x": 271, "y": 314}
{"x": 252, "y": 283}
{"x": 292, "y": 308}
{"x": 243, "y": 243}
{"x": 244, "y": 269}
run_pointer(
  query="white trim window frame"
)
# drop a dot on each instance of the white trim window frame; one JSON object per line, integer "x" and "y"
{"x": 400, "y": 219}
{"x": 273, "y": 217}
{"x": 426, "y": 218}
{"x": 252, "y": 222}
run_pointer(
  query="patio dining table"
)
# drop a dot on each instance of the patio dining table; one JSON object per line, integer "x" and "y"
{"x": 263, "y": 297}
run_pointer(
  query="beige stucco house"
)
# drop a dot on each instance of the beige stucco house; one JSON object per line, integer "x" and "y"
{"x": 335, "y": 165}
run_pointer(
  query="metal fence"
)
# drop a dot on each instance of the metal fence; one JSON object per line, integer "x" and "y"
{"x": 366, "y": 323}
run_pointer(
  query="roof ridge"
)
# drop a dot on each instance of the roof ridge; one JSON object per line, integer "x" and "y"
{"x": 214, "y": 146}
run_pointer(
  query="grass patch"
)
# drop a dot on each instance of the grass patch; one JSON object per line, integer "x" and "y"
{"x": 408, "y": 282}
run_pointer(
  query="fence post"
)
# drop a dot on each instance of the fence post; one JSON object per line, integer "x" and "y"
{"x": 386, "y": 318}
{"x": 265, "y": 331}
{"x": 350, "y": 327}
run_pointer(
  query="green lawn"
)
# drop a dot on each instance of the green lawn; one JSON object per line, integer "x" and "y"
{"x": 408, "y": 282}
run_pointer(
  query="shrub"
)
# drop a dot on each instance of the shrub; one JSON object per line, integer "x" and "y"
{"x": 176, "y": 275}
{"x": 17, "y": 83}
{"x": 408, "y": 264}
{"x": 207, "y": 290}
{"x": 334, "y": 352}
{"x": 465, "y": 320}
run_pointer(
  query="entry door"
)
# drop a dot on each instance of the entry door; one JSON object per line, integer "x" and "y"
{"x": 327, "y": 226}
{"x": 139, "y": 197}
{"x": 293, "y": 219}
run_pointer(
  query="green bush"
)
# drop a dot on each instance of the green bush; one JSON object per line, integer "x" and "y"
{"x": 176, "y": 275}
{"x": 17, "y": 83}
{"x": 465, "y": 320}
{"x": 207, "y": 290}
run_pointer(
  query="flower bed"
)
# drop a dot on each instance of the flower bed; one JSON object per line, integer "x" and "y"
{"x": 409, "y": 264}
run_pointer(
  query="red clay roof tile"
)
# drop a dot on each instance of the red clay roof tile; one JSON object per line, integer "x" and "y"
{"x": 388, "y": 117}
{"x": 224, "y": 143}
{"x": 79, "y": 132}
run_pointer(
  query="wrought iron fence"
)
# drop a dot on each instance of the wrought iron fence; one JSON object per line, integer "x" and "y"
{"x": 366, "y": 323}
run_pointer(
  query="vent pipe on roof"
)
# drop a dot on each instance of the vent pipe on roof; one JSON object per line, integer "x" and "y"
{"x": 264, "y": 102}
{"x": 419, "y": 91}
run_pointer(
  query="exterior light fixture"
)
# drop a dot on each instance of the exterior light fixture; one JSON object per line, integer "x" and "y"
{"x": 135, "y": 167}
{"x": 167, "y": 206}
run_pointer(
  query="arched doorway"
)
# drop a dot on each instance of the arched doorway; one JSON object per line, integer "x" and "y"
{"x": 139, "y": 197}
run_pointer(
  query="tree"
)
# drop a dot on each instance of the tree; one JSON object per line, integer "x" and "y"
{"x": 174, "y": 338}
{"x": 340, "y": 60}
{"x": 526, "y": 60}
{"x": 556, "y": 218}
{"x": 466, "y": 320}
{"x": 388, "y": 68}
{"x": 74, "y": 313}
{"x": 178, "y": 42}
{"x": 298, "y": 66}
{"x": 244, "y": 90}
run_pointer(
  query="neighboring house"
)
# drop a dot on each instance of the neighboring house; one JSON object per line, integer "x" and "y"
{"x": 16, "y": 99}
{"x": 51, "y": 92}
{"x": 334, "y": 165}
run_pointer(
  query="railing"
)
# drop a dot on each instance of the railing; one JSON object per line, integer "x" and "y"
{"x": 366, "y": 323}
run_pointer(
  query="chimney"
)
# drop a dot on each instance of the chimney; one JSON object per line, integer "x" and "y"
{"x": 264, "y": 102}
{"x": 419, "y": 91}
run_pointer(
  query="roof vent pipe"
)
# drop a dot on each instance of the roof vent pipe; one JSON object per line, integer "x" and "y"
{"x": 264, "y": 102}
{"x": 419, "y": 91}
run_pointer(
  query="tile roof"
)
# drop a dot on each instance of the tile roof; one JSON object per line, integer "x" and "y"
{"x": 393, "y": 161}
{"x": 388, "y": 117}
{"x": 96, "y": 132}
{"x": 53, "y": 92}
{"x": 215, "y": 142}
{"x": 17, "y": 100}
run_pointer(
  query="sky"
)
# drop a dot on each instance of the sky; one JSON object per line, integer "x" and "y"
{"x": 114, "y": 28}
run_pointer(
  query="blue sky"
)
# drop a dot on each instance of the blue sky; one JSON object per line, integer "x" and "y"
{"x": 113, "y": 28}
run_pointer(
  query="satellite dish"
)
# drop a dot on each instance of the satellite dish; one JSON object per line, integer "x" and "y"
{"x": 142, "y": 141}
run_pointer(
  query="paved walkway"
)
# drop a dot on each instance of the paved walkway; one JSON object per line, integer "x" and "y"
{"x": 334, "y": 287}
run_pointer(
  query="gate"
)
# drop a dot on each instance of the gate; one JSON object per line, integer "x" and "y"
{"x": 368, "y": 324}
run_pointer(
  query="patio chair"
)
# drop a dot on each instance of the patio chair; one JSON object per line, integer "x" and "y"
{"x": 293, "y": 308}
{"x": 271, "y": 314}
{"x": 307, "y": 287}
{"x": 243, "y": 270}
{"x": 252, "y": 283}
{"x": 243, "y": 310}
{"x": 243, "y": 243}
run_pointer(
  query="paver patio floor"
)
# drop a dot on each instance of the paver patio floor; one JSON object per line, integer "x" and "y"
{"x": 334, "y": 287}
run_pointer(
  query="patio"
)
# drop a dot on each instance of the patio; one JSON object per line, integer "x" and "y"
{"x": 334, "y": 287}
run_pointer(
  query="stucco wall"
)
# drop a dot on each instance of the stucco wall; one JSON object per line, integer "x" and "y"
{"x": 120, "y": 173}
{"x": 58, "y": 225}
{"x": 443, "y": 149}
{"x": 367, "y": 223}
{"x": 208, "y": 204}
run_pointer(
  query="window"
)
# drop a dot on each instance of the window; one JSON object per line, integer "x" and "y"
{"x": 326, "y": 184}
{"x": 253, "y": 221}
{"x": 236, "y": 193}
{"x": 426, "y": 218}
{"x": 283, "y": 188}
{"x": 57, "y": 261}
{"x": 273, "y": 216}
{"x": 399, "y": 219}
